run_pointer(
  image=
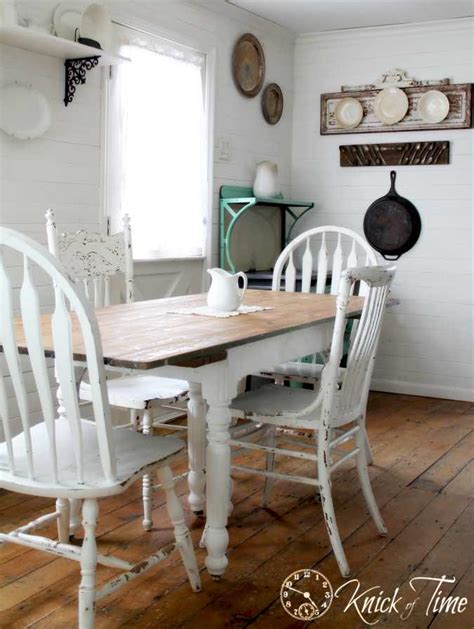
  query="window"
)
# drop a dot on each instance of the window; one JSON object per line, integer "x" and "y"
{"x": 160, "y": 170}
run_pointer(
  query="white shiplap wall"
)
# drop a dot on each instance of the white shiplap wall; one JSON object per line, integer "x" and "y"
{"x": 63, "y": 169}
{"x": 427, "y": 342}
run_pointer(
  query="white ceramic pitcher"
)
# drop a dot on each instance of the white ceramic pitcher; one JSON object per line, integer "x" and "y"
{"x": 224, "y": 293}
{"x": 266, "y": 180}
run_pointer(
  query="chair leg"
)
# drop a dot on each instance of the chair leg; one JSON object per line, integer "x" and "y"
{"x": 62, "y": 507}
{"x": 270, "y": 440}
{"x": 147, "y": 489}
{"x": 367, "y": 448}
{"x": 75, "y": 506}
{"x": 90, "y": 511}
{"x": 364, "y": 479}
{"x": 181, "y": 533}
{"x": 330, "y": 518}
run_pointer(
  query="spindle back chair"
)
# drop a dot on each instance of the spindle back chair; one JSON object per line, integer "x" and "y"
{"x": 339, "y": 403}
{"x": 69, "y": 457}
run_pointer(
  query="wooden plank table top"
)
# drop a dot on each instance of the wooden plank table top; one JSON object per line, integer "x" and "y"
{"x": 145, "y": 335}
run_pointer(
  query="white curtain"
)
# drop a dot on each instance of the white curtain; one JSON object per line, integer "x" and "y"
{"x": 163, "y": 160}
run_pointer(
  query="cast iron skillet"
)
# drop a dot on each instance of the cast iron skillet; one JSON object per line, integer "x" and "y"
{"x": 392, "y": 224}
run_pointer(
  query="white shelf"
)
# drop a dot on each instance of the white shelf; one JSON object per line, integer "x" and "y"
{"x": 46, "y": 44}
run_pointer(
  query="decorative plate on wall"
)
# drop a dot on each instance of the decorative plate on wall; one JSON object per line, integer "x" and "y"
{"x": 272, "y": 103}
{"x": 24, "y": 111}
{"x": 248, "y": 65}
{"x": 391, "y": 105}
{"x": 348, "y": 113}
{"x": 433, "y": 106}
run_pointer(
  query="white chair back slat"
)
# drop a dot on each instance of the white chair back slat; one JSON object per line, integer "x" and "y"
{"x": 94, "y": 258}
{"x": 8, "y": 342}
{"x": 65, "y": 294}
{"x": 342, "y": 247}
{"x": 290, "y": 275}
{"x": 337, "y": 261}
{"x": 66, "y": 377}
{"x": 322, "y": 266}
{"x": 352, "y": 260}
{"x": 307, "y": 268}
{"x": 31, "y": 318}
{"x": 6, "y": 425}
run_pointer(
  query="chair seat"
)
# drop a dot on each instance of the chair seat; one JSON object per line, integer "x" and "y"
{"x": 140, "y": 391}
{"x": 134, "y": 454}
{"x": 270, "y": 404}
{"x": 302, "y": 372}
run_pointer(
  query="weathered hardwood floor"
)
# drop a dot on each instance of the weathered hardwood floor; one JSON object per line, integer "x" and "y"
{"x": 423, "y": 478}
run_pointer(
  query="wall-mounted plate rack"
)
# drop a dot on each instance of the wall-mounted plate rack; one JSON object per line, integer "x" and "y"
{"x": 78, "y": 58}
{"x": 459, "y": 116}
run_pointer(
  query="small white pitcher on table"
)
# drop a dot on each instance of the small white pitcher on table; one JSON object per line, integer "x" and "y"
{"x": 224, "y": 294}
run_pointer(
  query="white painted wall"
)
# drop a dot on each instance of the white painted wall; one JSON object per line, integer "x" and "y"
{"x": 63, "y": 169}
{"x": 427, "y": 342}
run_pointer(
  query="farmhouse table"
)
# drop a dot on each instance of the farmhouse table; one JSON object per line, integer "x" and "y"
{"x": 213, "y": 355}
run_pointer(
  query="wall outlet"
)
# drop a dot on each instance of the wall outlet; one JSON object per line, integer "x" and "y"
{"x": 223, "y": 149}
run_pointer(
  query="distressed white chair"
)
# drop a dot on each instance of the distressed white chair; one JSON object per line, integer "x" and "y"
{"x": 93, "y": 260}
{"x": 72, "y": 458}
{"x": 339, "y": 404}
{"x": 328, "y": 250}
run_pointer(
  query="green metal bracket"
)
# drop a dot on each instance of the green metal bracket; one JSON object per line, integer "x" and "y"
{"x": 244, "y": 197}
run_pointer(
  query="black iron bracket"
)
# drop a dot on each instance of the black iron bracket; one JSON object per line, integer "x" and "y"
{"x": 76, "y": 70}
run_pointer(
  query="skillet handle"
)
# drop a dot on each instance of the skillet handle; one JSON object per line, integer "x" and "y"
{"x": 393, "y": 176}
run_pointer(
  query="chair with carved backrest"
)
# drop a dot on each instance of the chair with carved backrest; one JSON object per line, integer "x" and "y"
{"x": 95, "y": 261}
{"x": 335, "y": 411}
{"x": 70, "y": 457}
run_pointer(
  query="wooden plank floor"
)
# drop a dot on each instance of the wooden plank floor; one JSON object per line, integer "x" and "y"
{"x": 423, "y": 480}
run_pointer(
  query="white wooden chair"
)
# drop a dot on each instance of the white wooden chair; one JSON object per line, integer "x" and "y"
{"x": 93, "y": 260}
{"x": 335, "y": 412}
{"x": 328, "y": 250}
{"x": 71, "y": 457}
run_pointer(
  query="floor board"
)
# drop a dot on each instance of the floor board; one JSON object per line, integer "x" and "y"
{"x": 423, "y": 481}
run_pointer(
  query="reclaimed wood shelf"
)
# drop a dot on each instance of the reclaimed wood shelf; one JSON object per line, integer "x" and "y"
{"x": 459, "y": 116}
{"x": 234, "y": 201}
{"x": 395, "y": 154}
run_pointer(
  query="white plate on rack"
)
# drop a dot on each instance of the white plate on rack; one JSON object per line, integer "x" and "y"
{"x": 433, "y": 106}
{"x": 24, "y": 111}
{"x": 391, "y": 105}
{"x": 66, "y": 19}
{"x": 348, "y": 113}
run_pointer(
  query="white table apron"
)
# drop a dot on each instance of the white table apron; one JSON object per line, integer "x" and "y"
{"x": 219, "y": 382}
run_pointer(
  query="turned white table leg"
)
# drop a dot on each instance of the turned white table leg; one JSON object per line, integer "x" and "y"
{"x": 217, "y": 480}
{"x": 196, "y": 449}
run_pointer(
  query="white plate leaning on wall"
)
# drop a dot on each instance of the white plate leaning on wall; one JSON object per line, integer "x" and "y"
{"x": 96, "y": 25}
{"x": 66, "y": 19}
{"x": 348, "y": 113}
{"x": 433, "y": 106}
{"x": 391, "y": 105}
{"x": 24, "y": 111}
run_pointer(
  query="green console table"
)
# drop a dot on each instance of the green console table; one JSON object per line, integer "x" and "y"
{"x": 231, "y": 196}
